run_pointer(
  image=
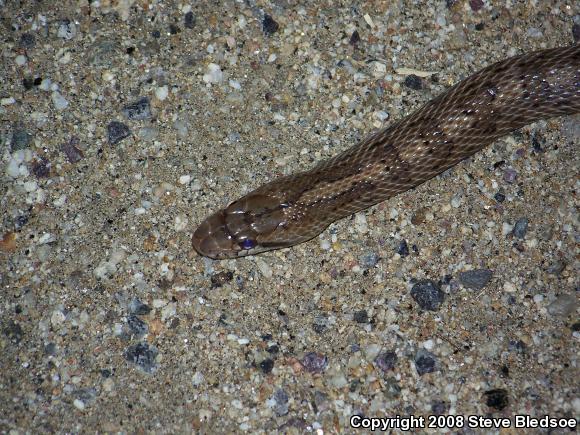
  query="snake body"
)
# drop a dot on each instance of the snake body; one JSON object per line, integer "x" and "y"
{"x": 470, "y": 115}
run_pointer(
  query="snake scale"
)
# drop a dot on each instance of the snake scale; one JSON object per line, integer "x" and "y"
{"x": 475, "y": 112}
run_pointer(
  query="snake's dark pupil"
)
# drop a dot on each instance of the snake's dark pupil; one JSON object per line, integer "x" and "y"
{"x": 248, "y": 244}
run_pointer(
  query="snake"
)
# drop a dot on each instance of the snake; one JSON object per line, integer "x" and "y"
{"x": 465, "y": 118}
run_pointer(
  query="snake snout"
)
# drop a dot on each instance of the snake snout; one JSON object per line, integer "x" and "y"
{"x": 212, "y": 238}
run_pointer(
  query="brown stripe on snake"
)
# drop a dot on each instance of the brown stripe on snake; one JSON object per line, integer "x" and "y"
{"x": 472, "y": 114}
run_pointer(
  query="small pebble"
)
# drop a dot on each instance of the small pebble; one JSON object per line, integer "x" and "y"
{"x": 143, "y": 355}
{"x": 361, "y": 316}
{"x": 117, "y": 131}
{"x": 138, "y": 110}
{"x": 499, "y": 197}
{"x": 138, "y": 308}
{"x": 403, "y": 248}
{"x": 214, "y": 74}
{"x": 368, "y": 261}
{"x": 20, "y": 60}
{"x": 66, "y": 29}
{"x": 189, "y": 20}
{"x": 413, "y": 82}
{"x": 72, "y": 153}
{"x": 314, "y": 362}
{"x": 563, "y": 306}
{"x": 27, "y": 40}
{"x": 386, "y": 361}
{"x": 269, "y": 25}
{"x": 267, "y": 365}
{"x": 510, "y": 175}
{"x": 60, "y": 103}
{"x": 137, "y": 326}
{"x": 520, "y": 228}
{"x": 475, "y": 279}
{"x": 161, "y": 93}
{"x": 354, "y": 38}
{"x": 497, "y": 399}
{"x": 556, "y": 268}
{"x": 428, "y": 295}
{"x": 21, "y": 139}
{"x": 425, "y": 362}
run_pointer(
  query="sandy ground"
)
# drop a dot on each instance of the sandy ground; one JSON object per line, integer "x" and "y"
{"x": 124, "y": 123}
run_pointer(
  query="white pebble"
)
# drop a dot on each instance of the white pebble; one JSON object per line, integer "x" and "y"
{"x": 243, "y": 341}
{"x": 324, "y": 245}
{"x": 214, "y": 74}
{"x": 13, "y": 169}
{"x": 264, "y": 268}
{"x": 509, "y": 287}
{"x": 538, "y": 298}
{"x": 60, "y": 103}
{"x": 360, "y": 222}
{"x": 161, "y": 92}
{"x": 7, "y": 101}
{"x": 158, "y": 303}
{"x": 30, "y": 186}
{"x": 20, "y": 60}
{"x": 235, "y": 84}
{"x": 180, "y": 222}
{"x": 79, "y": 404}
{"x": 429, "y": 344}
{"x": 184, "y": 179}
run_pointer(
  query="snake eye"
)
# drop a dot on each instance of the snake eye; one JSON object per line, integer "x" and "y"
{"x": 247, "y": 244}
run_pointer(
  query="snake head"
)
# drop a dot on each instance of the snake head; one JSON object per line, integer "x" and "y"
{"x": 247, "y": 226}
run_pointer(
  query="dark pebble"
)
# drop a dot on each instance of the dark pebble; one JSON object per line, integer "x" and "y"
{"x": 72, "y": 153}
{"x": 320, "y": 324}
{"x": 354, "y": 38}
{"x": 556, "y": 268}
{"x": 27, "y": 40}
{"x": 425, "y": 362}
{"x": 413, "y": 82}
{"x": 281, "y": 398}
{"x": 138, "y": 308}
{"x": 267, "y": 365}
{"x": 13, "y": 331}
{"x": 28, "y": 83}
{"x": 41, "y": 168}
{"x": 361, "y": 316}
{"x": 21, "y": 139}
{"x": 537, "y": 145}
{"x": 189, "y": 20}
{"x": 476, "y": 5}
{"x": 117, "y": 131}
{"x": 140, "y": 109}
{"x": 137, "y": 326}
{"x": 450, "y": 3}
{"x": 50, "y": 349}
{"x": 269, "y": 25}
{"x": 499, "y": 197}
{"x": 221, "y": 278}
{"x": 174, "y": 29}
{"x": 496, "y": 399}
{"x": 314, "y": 362}
{"x": 517, "y": 346}
{"x": 403, "y": 248}
{"x": 576, "y": 32}
{"x": 143, "y": 355}
{"x": 475, "y": 279}
{"x": 480, "y": 26}
{"x": 510, "y": 175}
{"x": 386, "y": 361}
{"x": 156, "y": 34}
{"x": 520, "y": 228}
{"x": 428, "y": 295}
{"x": 106, "y": 373}
{"x": 439, "y": 407}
